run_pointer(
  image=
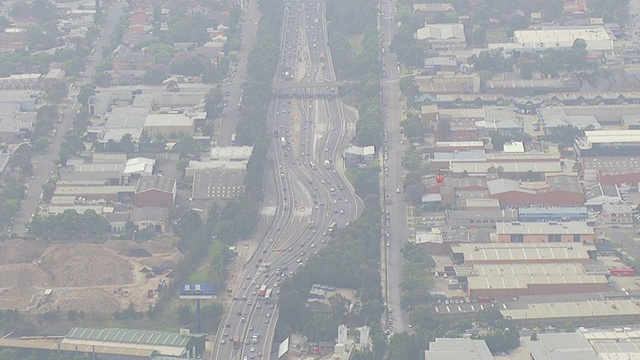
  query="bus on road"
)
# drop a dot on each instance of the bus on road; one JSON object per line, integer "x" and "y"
{"x": 233, "y": 138}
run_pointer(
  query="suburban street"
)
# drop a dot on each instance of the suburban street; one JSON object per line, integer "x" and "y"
{"x": 307, "y": 192}
{"x": 44, "y": 165}
{"x": 392, "y": 111}
{"x": 234, "y": 85}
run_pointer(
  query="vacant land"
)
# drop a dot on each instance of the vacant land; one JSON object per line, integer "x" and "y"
{"x": 89, "y": 277}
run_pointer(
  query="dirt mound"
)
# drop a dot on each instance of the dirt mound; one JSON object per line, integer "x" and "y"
{"x": 140, "y": 253}
{"x": 159, "y": 246}
{"x": 88, "y": 300}
{"x": 20, "y": 251}
{"x": 85, "y": 265}
{"x": 22, "y": 276}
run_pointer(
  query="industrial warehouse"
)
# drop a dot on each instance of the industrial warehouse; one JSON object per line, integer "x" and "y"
{"x": 119, "y": 344}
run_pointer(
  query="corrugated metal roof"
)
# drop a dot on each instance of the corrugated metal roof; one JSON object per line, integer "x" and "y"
{"x": 129, "y": 336}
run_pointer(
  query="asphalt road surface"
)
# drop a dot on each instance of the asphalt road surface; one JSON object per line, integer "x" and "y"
{"x": 623, "y": 237}
{"x": 304, "y": 196}
{"x": 43, "y": 165}
{"x": 251, "y": 16}
{"x": 392, "y": 110}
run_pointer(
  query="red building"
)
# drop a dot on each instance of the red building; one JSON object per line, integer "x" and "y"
{"x": 558, "y": 191}
{"x": 155, "y": 190}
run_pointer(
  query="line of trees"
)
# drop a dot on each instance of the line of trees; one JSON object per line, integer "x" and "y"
{"x": 358, "y": 60}
{"x": 70, "y": 226}
{"x": 11, "y": 197}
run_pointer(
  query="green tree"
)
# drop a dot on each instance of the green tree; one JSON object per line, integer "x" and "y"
{"x": 187, "y": 146}
{"x": 192, "y": 66}
{"x": 551, "y": 62}
{"x": 405, "y": 346}
{"x": 411, "y": 159}
{"x": 127, "y": 144}
{"x": 182, "y": 31}
{"x": 414, "y": 129}
{"x": 497, "y": 140}
{"x": 8, "y": 354}
{"x": 86, "y": 91}
{"x": 41, "y": 145}
{"x": 56, "y": 91}
{"x": 172, "y": 86}
{"x": 11, "y": 205}
{"x": 576, "y": 57}
{"x": 21, "y": 158}
{"x": 154, "y": 76}
{"x": 4, "y": 23}
{"x": 492, "y": 60}
{"x": 41, "y": 37}
{"x": 74, "y": 66}
{"x": 444, "y": 129}
{"x": 181, "y": 165}
{"x": 161, "y": 52}
{"x": 102, "y": 79}
{"x": 213, "y": 102}
{"x": 501, "y": 340}
{"x": 526, "y": 68}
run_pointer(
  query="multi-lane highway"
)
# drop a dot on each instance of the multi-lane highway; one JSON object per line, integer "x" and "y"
{"x": 309, "y": 192}
{"x": 393, "y": 150}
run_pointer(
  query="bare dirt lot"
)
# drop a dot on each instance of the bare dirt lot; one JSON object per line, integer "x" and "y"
{"x": 89, "y": 277}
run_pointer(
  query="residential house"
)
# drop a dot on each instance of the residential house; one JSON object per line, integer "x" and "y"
{"x": 133, "y": 61}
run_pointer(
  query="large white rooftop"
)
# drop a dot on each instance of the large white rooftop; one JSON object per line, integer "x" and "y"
{"x": 545, "y": 228}
{"x": 612, "y": 136}
{"x": 530, "y": 252}
{"x": 561, "y": 34}
{"x": 521, "y": 276}
{"x": 442, "y": 32}
{"x": 168, "y": 120}
{"x": 458, "y": 349}
{"x": 574, "y": 309}
{"x": 231, "y": 153}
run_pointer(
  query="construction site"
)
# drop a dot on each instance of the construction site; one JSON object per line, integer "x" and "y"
{"x": 37, "y": 277}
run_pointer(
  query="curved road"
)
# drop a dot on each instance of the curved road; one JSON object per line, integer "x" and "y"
{"x": 308, "y": 195}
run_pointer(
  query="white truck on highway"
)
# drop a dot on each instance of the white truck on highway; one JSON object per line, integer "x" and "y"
{"x": 283, "y": 141}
